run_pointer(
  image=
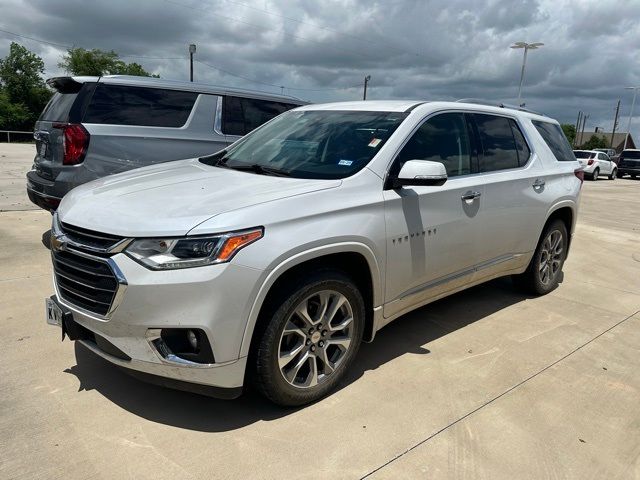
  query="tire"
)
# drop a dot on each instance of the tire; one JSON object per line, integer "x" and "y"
{"x": 533, "y": 279}
{"x": 620, "y": 175}
{"x": 613, "y": 174}
{"x": 594, "y": 175}
{"x": 303, "y": 364}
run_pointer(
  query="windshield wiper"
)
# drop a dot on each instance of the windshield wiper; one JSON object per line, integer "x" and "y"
{"x": 259, "y": 169}
{"x": 213, "y": 159}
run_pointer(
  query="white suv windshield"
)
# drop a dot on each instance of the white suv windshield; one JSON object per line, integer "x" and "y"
{"x": 320, "y": 144}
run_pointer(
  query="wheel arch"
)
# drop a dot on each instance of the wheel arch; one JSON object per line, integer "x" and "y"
{"x": 566, "y": 211}
{"x": 356, "y": 259}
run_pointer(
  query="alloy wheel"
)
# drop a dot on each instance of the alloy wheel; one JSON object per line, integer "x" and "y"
{"x": 315, "y": 339}
{"x": 550, "y": 257}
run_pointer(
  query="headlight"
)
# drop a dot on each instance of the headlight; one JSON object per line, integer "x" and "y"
{"x": 185, "y": 252}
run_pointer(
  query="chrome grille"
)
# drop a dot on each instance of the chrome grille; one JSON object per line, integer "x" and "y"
{"x": 85, "y": 281}
{"x": 89, "y": 238}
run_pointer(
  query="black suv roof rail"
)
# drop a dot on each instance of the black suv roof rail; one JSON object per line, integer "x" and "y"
{"x": 489, "y": 103}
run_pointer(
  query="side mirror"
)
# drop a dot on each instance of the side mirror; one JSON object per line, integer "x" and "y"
{"x": 420, "y": 172}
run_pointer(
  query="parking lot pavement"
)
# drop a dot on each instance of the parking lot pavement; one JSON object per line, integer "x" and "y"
{"x": 15, "y": 162}
{"x": 485, "y": 384}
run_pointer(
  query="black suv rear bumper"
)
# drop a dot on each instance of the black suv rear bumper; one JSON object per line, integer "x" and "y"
{"x": 628, "y": 171}
{"x": 39, "y": 191}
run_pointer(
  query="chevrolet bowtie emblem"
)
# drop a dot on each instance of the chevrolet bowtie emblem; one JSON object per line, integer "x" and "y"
{"x": 57, "y": 243}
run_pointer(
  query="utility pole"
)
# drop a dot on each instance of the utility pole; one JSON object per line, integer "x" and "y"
{"x": 584, "y": 122}
{"x": 366, "y": 82}
{"x": 192, "y": 50}
{"x": 575, "y": 137}
{"x": 615, "y": 124}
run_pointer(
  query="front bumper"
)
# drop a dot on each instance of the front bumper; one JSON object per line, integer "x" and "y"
{"x": 215, "y": 299}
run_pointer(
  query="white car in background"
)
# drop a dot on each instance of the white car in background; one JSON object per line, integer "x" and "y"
{"x": 596, "y": 163}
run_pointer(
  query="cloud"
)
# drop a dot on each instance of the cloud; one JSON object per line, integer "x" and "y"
{"x": 436, "y": 49}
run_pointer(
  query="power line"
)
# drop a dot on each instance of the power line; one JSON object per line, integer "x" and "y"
{"x": 36, "y": 39}
{"x": 227, "y": 72}
{"x": 300, "y": 89}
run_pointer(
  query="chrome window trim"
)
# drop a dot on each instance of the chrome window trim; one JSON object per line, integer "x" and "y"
{"x": 524, "y": 132}
{"x": 217, "y": 119}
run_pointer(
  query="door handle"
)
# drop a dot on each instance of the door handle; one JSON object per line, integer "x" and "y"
{"x": 470, "y": 196}
{"x": 538, "y": 183}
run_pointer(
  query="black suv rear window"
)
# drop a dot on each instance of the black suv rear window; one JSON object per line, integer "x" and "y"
{"x": 241, "y": 115}
{"x": 555, "y": 140}
{"x": 152, "y": 107}
{"x": 631, "y": 155}
{"x": 57, "y": 110}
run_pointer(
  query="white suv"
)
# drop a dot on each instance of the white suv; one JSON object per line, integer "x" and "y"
{"x": 270, "y": 261}
{"x": 595, "y": 163}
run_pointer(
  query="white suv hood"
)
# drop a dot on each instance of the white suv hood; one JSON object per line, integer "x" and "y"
{"x": 170, "y": 199}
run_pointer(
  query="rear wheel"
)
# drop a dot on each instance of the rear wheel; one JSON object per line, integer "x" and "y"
{"x": 544, "y": 270}
{"x": 594, "y": 175}
{"x": 311, "y": 339}
{"x": 613, "y": 175}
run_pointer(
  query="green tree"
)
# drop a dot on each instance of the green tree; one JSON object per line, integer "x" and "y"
{"x": 23, "y": 93}
{"x": 595, "y": 141}
{"x": 569, "y": 132}
{"x": 96, "y": 62}
{"x": 13, "y": 116}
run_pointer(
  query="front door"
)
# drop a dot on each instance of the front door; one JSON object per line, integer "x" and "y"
{"x": 432, "y": 231}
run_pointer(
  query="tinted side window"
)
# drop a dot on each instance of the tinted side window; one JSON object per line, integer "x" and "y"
{"x": 232, "y": 116}
{"x": 241, "y": 115}
{"x": 554, "y": 137}
{"x": 443, "y": 138}
{"x": 521, "y": 144}
{"x": 498, "y": 143}
{"x": 153, "y": 107}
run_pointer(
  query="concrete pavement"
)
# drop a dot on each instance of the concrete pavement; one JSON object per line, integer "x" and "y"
{"x": 485, "y": 384}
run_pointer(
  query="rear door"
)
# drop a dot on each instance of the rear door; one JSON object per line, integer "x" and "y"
{"x": 133, "y": 126}
{"x": 604, "y": 162}
{"x": 514, "y": 201}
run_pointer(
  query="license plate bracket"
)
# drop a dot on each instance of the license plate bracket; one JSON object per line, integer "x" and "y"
{"x": 56, "y": 314}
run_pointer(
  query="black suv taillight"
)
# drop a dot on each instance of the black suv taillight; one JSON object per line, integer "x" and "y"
{"x": 75, "y": 142}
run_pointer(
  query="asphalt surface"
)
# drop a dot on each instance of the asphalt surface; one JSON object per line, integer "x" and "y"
{"x": 487, "y": 383}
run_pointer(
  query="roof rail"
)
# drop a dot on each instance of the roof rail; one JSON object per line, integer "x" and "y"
{"x": 500, "y": 105}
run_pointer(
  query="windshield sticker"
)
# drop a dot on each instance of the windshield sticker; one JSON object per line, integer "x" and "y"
{"x": 346, "y": 163}
{"x": 374, "y": 142}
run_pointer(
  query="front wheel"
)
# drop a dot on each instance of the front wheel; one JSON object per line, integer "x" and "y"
{"x": 544, "y": 270}
{"x": 613, "y": 175}
{"x": 311, "y": 338}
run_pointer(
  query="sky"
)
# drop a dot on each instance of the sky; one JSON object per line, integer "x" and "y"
{"x": 321, "y": 50}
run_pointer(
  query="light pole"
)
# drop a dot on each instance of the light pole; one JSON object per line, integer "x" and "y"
{"x": 192, "y": 50}
{"x": 633, "y": 104}
{"x": 527, "y": 47}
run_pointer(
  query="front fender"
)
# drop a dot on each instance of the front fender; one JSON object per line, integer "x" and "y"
{"x": 291, "y": 259}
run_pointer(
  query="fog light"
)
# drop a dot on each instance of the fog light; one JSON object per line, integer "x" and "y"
{"x": 193, "y": 339}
